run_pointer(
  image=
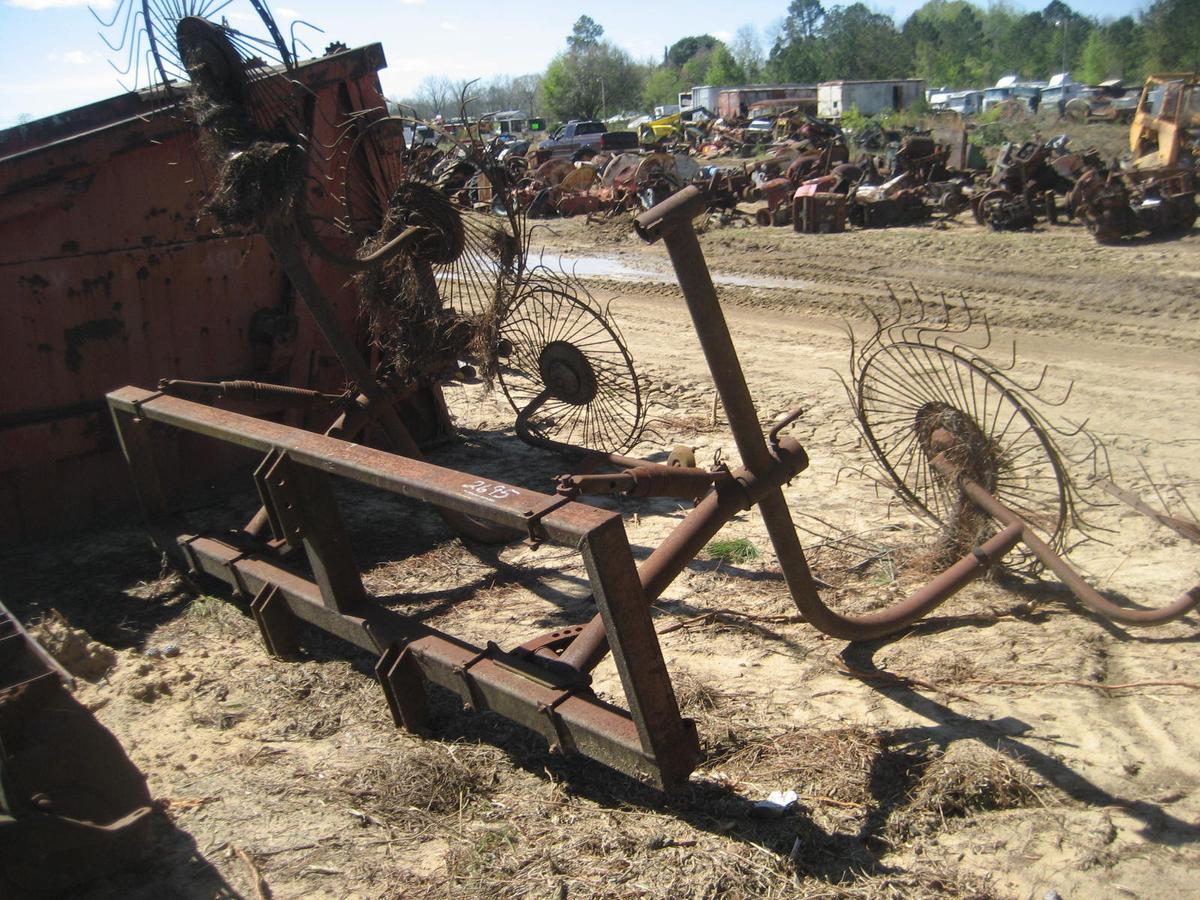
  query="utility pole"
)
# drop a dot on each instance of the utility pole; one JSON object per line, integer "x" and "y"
{"x": 1064, "y": 44}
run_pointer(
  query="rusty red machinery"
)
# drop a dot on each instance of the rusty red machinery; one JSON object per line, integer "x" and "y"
{"x": 113, "y": 275}
{"x": 543, "y": 682}
{"x": 573, "y": 386}
{"x": 1119, "y": 204}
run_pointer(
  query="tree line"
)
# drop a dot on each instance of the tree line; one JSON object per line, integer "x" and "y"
{"x": 951, "y": 43}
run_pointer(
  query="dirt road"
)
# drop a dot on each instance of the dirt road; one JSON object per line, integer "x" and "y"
{"x": 985, "y": 753}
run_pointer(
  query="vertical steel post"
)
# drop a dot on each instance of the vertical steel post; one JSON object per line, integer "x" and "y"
{"x": 665, "y": 737}
{"x": 672, "y": 221}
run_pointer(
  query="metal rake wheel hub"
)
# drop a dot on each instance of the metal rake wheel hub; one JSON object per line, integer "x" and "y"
{"x": 567, "y": 373}
{"x": 211, "y": 60}
{"x": 942, "y": 428}
{"x": 420, "y": 204}
{"x": 568, "y": 368}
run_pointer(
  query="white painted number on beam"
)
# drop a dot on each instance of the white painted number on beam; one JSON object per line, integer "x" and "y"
{"x": 490, "y": 490}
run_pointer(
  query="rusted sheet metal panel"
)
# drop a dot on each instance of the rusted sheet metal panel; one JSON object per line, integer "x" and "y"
{"x": 109, "y": 276}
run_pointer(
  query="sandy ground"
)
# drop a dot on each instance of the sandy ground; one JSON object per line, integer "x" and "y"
{"x": 973, "y": 755}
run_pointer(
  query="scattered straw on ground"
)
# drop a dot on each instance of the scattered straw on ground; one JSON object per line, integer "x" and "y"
{"x": 966, "y": 779}
{"x": 433, "y": 777}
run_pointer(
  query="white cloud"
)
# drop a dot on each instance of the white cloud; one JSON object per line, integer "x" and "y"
{"x": 412, "y": 2}
{"x": 289, "y": 12}
{"x": 449, "y": 26}
{"x": 723, "y": 36}
{"x": 58, "y": 4}
{"x": 71, "y": 57}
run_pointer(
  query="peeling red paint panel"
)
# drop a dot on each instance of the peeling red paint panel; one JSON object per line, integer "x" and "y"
{"x": 109, "y": 276}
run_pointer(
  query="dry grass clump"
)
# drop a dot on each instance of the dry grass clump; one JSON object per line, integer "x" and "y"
{"x": 313, "y": 700}
{"x": 951, "y": 668}
{"x": 920, "y": 881}
{"x": 681, "y": 426}
{"x": 213, "y": 615}
{"x": 431, "y": 777}
{"x": 572, "y": 849}
{"x": 697, "y": 696}
{"x": 711, "y": 708}
{"x": 447, "y": 571}
{"x": 597, "y": 855}
{"x": 966, "y": 779}
{"x": 849, "y": 766}
{"x": 257, "y": 184}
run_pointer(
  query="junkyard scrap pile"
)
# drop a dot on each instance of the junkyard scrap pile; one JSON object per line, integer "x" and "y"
{"x": 376, "y": 627}
{"x": 812, "y": 175}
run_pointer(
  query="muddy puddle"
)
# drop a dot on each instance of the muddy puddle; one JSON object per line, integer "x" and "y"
{"x": 608, "y": 267}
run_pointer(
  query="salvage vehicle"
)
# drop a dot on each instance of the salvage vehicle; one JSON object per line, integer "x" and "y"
{"x": 676, "y": 126}
{"x": 1109, "y": 101}
{"x": 1167, "y": 122}
{"x": 584, "y": 139}
{"x": 1155, "y": 194}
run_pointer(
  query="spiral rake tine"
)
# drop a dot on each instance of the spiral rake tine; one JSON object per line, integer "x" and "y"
{"x": 124, "y": 4}
{"x": 295, "y": 40}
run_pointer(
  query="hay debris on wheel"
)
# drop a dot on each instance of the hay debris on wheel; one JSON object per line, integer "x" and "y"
{"x": 257, "y": 185}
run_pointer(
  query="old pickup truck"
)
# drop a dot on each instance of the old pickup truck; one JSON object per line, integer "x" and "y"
{"x": 582, "y": 139}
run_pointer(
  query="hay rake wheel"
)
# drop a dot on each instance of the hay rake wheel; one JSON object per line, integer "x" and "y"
{"x": 907, "y": 389}
{"x": 480, "y": 268}
{"x": 158, "y": 21}
{"x": 383, "y": 179}
{"x": 568, "y": 373}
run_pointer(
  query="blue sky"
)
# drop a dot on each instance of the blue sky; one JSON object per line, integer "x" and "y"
{"x": 53, "y": 58}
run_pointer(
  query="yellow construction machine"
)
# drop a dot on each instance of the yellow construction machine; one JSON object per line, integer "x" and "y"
{"x": 1166, "y": 125}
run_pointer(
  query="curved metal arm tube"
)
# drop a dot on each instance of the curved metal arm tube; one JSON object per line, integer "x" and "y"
{"x": 534, "y": 440}
{"x": 741, "y": 493}
{"x": 357, "y": 264}
{"x": 1084, "y": 592}
{"x": 918, "y": 604}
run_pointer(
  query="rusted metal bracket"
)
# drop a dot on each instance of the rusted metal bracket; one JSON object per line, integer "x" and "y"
{"x": 235, "y": 576}
{"x": 301, "y": 500}
{"x": 275, "y": 622}
{"x": 462, "y": 671}
{"x": 403, "y": 688}
{"x": 549, "y": 710}
{"x": 533, "y": 518}
{"x": 137, "y": 407}
{"x": 278, "y": 528}
{"x": 552, "y": 640}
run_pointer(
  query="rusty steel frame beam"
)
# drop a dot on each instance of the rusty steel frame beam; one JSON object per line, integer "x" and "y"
{"x": 650, "y": 741}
